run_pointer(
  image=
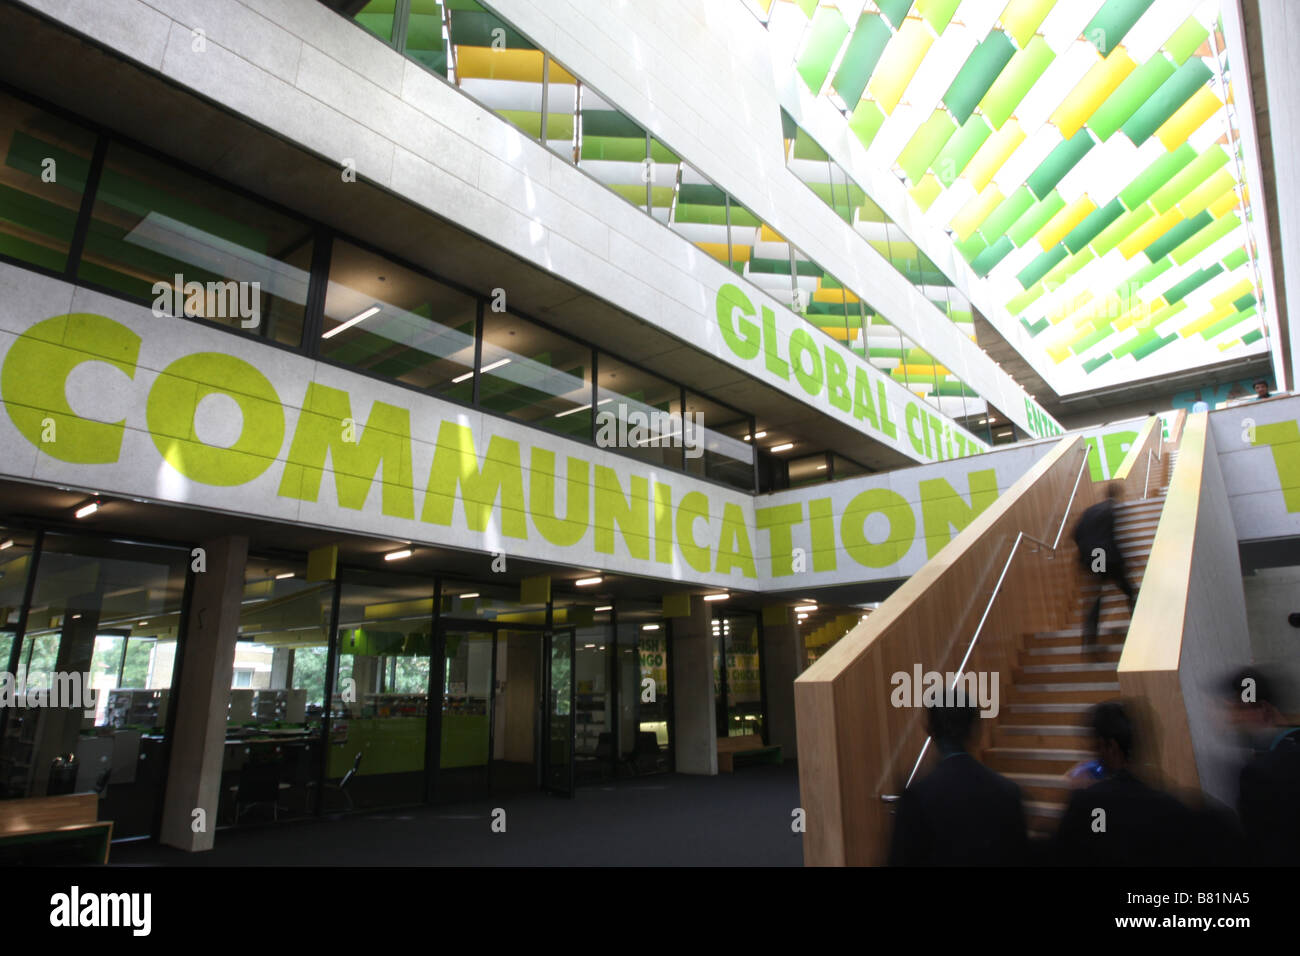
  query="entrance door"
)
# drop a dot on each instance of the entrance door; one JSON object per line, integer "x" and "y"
{"x": 557, "y": 750}
{"x": 516, "y": 727}
{"x": 466, "y": 739}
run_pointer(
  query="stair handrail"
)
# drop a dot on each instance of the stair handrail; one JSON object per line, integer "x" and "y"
{"x": 988, "y": 608}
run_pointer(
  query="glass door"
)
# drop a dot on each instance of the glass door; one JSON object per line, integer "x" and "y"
{"x": 557, "y": 754}
{"x": 466, "y": 726}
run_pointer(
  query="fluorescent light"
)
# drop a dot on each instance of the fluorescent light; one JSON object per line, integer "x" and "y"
{"x": 468, "y": 595}
{"x": 588, "y": 645}
{"x": 398, "y": 555}
{"x": 497, "y": 364}
{"x": 649, "y": 627}
{"x": 281, "y": 577}
{"x": 89, "y": 509}
{"x": 359, "y": 317}
{"x": 607, "y": 607}
{"x": 821, "y": 467}
{"x": 587, "y": 582}
{"x": 784, "y": 446}
{"x": 143, "y": 623}
{"x": 460, "y": 378}
{"x": 582, "y": 408}
{"x": 6, "y": 544}
{"x": 803, "y": 617}
{"x": 716, "y": 597}
{"x": 805, "y": 607}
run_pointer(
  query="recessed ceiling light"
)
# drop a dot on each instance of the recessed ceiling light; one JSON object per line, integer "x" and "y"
{"x": 398, "y": 555}
{"x": 587, "y": 582}
{"x": 87, "y": 509}
{"x": 805, "y": 607}
{"x": 821, "y": 467}
{"x": 607, "y": 607}
{"x": 784, "y": 446}
{"x": 6, "y": 544}
{"x": 282, "y": 577}
{"x": 716, "y": 597}
{"x": 359, "y": 317}
{"x": 468, "y": 595}
{"x": 649, "y": 627}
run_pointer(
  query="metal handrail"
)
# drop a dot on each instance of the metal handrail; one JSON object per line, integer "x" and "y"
{"x": 1160, "y": 445}
{"x": 988, "y": 608}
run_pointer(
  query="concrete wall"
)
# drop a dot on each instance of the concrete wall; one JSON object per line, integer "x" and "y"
{"x": 1272, "y": 595}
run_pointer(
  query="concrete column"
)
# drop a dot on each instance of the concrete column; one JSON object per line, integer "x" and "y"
{"x": 281, "y": 666}
{"x": 782, "y": 663}
{"x": 695, "y": 735}
{"x": 208, "y": 660}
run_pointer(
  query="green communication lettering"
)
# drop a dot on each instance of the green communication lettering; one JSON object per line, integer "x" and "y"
{"x": 455, "y": 462}
{"x": 385, "y": 443}
{"x": 943, "y": 508}
{"x": 1284, "y": 439}
{"x": 853, "y": 528}
{"x": 733, "y": 544}
{"x": 694, "y": 505}
{"x": 33, "y": 384}
{"x": 801, "y": 344}
{"x": 777, "y": 521}
{"x": 566, "y": 531}
{"x": 741, "y": 335}
{"x": 175, "y": 398}
{"x": 631, "y": 514}
{"x": 837, "y": 379}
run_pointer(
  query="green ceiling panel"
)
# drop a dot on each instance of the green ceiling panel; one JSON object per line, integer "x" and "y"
{"x": 1118, "y": 230}
{"x": 1036, "y": 327}
{"x": 1106, "y": 30}
{"x": 1186, "y": 40}
{"x": 1093, "y": 364}
{"x": 1008, "y": 211}
{"x": 1149, "y": 347}
{"x": 809, "y": 7}
{"x": 1156, "y": 175}
{"x": 860, "y": 59}
{"x": 701, "y": 194}
{"x": 1011, "y": 86}
{"x": 895, "y": 10}
{"x": 1193, "y": 282}
{"x": 1069, "y": 267}
{"x": 1092, "y": 225}
{"x": 925, "y": 144}
{"x": 1194, "y": 246}
{"x": 1224, "y": 324}
{"x": 937, "y": 12}
{"x": 866, "y": 121}
{"x": 1059, "y": 161}
{"x": 805, "y": 147}
{"x": 1021, "y": 18}
{"x": 823, "y": 43}
{"x": 1252, "y": 337}
{"x": 1129, "y": 95}
{"x": 1244, "y": 302}
{"x": 1176, "y": 236}
{"x": 1164, "y": 102}
{"x": 1148, "y": 273}
{"x": 1041, "y": 266}
{"x": 1022, "y": 301}
{"x": 977, "y": 74}
{"x": 991, "y": 256}
{"x": 1092, "y": 338}
{"x": 953, "y": 158}
{"x": 1234, "y": 259}
{"x": 1036, "y": 218}
{"x": 1191, "y": 176}
{"x": 972, "y": 246}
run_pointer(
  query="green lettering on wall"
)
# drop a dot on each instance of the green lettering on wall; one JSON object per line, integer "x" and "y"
{"x": 864, "y": 409}
{"x": 801, "y": 344}
{"x": 385, "y": 442}
{"x": 1117, "y": 445}
{"x": 771, "y": 348}
{"x": 33, "y": 384}
{"x": 741, "y": 335}
{"x": 777, "y": 521}
{"x": 569, "y": 530}
{"x": 853, "y": 528}
{"x": 694, "y": 505}
{"x": 455, "y": 462}
{"x": 175, "y": 398}
{"x": 631, "y": 514}
{"x": 663, "y": 523}
{"x": 734, "y": 550}
{"x": 821, "y": 521}
{"x": 943, "y": 508}
{"x": 1284, "y": 439}
{"x": 837, "y": 379}
{"x": 915, "y": 427}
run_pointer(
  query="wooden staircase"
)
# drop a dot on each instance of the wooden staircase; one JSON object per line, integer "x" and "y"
{"x": 1041, "y": 729}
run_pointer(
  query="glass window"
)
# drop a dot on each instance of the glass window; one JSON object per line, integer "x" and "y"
{"x": 466, "y": 717}
{"x": 489, "y": 602}
{"x": 645, "y": 702}
{"x": 99, "y": 650}
{"x": 699, "y": 215}
{"x": 562, "y": 111}
{"x": 381, "y": 691}
{"x": 377, "y": 17}
{"x": 845, "y": 468}
{"x": 640, "y": 414}
{"x": 391, "y": 321}
{"x": 808, "y": 470}
{"x": 277, "y": 697}
{"x": 42, "y": 177}
{"x": 535, "y": 376}
{"x": 189, "y": 245}
{"x": 425, "y": 35}
{"x": 614, "y": 150}
{"x": 737, "y": 675}
{"x": 725, "y": 455}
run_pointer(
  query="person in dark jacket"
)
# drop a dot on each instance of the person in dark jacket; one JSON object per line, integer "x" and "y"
{"x": 1120, "y": 820}
{"x": 1100, "y": 558}
{"x": 962, "y": 813}
{"x": 1268, "y": 800}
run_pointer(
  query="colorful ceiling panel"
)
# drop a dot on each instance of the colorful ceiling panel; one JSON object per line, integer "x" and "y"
{"x": 1083, "y": 155}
